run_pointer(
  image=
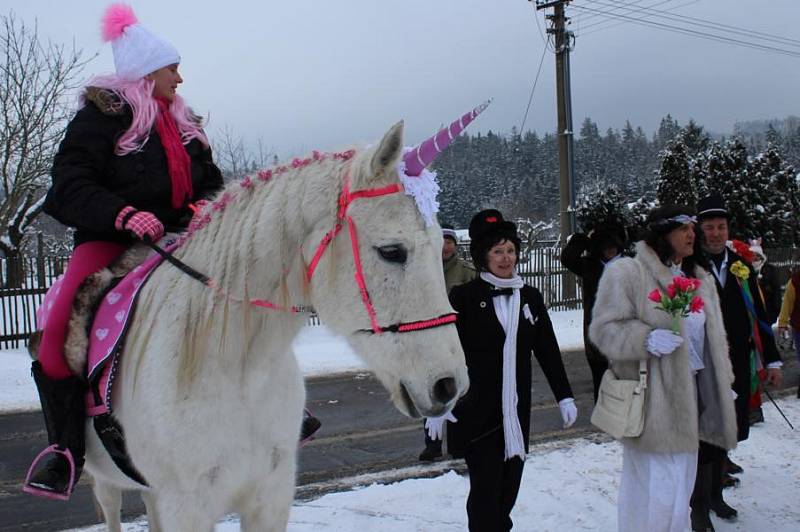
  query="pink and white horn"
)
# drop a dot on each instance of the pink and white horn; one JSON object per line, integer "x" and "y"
{"x": 423, "y": 154}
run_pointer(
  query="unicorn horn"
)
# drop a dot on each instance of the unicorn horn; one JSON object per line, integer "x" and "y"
{"x": 423, "y": 154}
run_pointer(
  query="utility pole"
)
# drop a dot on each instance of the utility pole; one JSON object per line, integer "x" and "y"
{"x": 566, "y": 159}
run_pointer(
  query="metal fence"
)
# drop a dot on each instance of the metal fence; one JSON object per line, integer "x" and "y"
{"x": 539, "y": 266}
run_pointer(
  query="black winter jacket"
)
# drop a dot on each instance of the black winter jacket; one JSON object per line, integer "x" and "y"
{"x": 482, "y": 337}
{"x": 91, "y": 184}
{"x": 740, "y": 337}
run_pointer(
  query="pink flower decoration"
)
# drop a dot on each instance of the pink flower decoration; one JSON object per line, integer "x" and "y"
{"x": 247, "y": 182}
{"x": 682, "y": 283}
{"x": 671, "y": 290}
{"x": 265, "y": 175}
{"x": 697, "y": 304}
{"x": 654, "y": 296}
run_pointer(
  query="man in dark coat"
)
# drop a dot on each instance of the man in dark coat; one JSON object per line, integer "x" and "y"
{"x": 713, "y": 220}
{"x": 587, "y": 256}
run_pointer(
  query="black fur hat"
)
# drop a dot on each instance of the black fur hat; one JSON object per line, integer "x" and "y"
{"x": 486, "y": 229}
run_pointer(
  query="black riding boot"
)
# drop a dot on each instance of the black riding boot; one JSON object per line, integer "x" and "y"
{"x": 701, "y": 521}
{"x": 64, "y": 412}
{"x": 716, "y": 502}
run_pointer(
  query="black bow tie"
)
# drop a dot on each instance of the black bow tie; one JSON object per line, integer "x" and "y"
{"x": 501, "y": 292}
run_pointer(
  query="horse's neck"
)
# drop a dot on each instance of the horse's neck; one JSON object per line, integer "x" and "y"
{"x": 251, "y": 247}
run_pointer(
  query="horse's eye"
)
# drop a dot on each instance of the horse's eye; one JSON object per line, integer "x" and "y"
{"x": 394, "y": 253}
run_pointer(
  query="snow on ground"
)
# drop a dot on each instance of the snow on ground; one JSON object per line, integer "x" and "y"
{"x": 567, "y": 486}
{"x": 319, "y": 352}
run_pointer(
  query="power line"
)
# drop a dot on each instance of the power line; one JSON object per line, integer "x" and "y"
{"x": 631, "y": 4}
{"x": 694, "y": 33}
{"x": 530, "y": 98}
{"x": 704, "y": 23}
{"x": 603, "y": 24}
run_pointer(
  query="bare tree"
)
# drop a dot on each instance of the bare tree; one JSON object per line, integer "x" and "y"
{"x": 235, "y": 158}
{"x": 36, "y": 80}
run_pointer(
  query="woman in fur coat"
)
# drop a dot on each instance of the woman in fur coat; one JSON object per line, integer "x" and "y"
{"x": 501, "y": 321}
{"x": 688, "y": 395}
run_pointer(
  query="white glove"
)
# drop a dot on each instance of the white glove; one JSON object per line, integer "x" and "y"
{"x": 663, "y": 342}
{"x": 569, "y": 412}
{"x": 435, "y": 425}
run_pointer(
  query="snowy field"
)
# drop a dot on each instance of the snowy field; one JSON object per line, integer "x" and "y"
{"x": 567, "y": 486}
{"x": 318, "y": 351}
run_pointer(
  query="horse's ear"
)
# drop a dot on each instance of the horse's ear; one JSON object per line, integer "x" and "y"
{"x": 388, "y": 152}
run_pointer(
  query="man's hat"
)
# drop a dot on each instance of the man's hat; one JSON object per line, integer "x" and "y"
{"x": 712, "y": 206}
{"x": 449, "y": 232}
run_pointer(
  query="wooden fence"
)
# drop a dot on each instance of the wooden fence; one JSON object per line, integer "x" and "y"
{"x": 539, "y": 267}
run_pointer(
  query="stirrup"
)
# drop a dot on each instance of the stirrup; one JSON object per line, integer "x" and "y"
{"x": 46, "y": 493}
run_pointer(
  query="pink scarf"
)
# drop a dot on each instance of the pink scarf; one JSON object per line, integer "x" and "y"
{"x": 178, "y": 162}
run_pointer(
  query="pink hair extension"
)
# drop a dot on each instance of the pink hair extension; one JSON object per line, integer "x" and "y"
{"x": 138, "y": 95}
{"x": 116, "y": 18}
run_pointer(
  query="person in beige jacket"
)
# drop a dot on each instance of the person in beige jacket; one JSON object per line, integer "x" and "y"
{"x": 688, "y": 395}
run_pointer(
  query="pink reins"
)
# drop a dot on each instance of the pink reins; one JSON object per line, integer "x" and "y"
{"x": 346, "y": 198}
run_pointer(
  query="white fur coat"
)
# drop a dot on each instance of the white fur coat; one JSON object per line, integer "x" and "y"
{"x": 623, "y": 317}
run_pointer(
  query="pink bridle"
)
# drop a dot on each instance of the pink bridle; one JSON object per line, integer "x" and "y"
{"x": 346, "y": 198}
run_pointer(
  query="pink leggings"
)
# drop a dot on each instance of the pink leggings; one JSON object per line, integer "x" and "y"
{"x": 86, "y": 259}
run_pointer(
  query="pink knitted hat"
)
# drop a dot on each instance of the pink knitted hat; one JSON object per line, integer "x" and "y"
{"x": 137, "y": 51}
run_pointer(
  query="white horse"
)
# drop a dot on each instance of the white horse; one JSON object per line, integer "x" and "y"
{"x": 209, "y": 394}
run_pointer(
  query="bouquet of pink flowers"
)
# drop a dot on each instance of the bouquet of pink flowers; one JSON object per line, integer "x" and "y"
{"x": 679, "y": 300}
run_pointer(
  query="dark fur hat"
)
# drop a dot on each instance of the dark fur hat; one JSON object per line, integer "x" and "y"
{"x": 486, "y": 229}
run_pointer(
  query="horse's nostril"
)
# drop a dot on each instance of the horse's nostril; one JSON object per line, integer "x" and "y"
{"x": 444, "y": 389}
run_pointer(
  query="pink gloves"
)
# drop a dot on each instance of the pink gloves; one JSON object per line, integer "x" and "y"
{"x": 140, "y": 223}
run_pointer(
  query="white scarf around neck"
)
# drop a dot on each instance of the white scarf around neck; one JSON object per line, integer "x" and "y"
{"x": 507, "y": 310}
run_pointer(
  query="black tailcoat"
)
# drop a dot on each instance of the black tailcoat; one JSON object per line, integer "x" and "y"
{"x": 740, "y": 338}
{"x": 482, "y": 337}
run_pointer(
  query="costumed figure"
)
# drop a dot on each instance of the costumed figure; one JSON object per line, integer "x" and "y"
{"x": 685, "y": 359}
{"x": 501, "y": 320}
{"x": 750, "y": 340}
{"x": 133, "y": 161}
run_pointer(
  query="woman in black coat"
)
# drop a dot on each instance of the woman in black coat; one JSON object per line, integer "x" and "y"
{"x": 587, "y": 257}
{"x": 133, "y": 161}
{"x": 501, "y": 321}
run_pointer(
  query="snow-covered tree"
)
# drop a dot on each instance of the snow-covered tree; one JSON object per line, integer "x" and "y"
{"x": 674, "y": 177}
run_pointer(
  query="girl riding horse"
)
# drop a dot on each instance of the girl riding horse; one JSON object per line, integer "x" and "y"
{"x": 133, "y": 160}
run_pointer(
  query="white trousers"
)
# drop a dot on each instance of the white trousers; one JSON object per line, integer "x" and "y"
{"x": 654, "y": 491}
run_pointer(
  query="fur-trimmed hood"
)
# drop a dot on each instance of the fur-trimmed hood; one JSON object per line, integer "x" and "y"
{"x": 105, "y": 100}
{"x": 622, "y": 319}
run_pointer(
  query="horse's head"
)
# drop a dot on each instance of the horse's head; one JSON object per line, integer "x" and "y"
{"x": 381, "y": 285}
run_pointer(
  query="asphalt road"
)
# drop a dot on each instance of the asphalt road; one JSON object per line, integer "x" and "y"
{"x": 361, "y": 433}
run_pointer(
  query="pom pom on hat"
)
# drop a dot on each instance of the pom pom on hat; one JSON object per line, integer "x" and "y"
{"x": 116, "y": 18}
{"x": 137, "y": 51}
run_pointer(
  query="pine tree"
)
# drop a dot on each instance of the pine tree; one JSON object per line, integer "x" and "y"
{"x": 601, "y": 204}
{"x": 675, "y": 185}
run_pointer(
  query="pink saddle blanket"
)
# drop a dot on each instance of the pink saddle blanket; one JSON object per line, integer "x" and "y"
{"x": 109, "y": 327}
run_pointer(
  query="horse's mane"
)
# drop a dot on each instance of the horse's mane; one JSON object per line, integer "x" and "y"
{"x": 227, "y": 231}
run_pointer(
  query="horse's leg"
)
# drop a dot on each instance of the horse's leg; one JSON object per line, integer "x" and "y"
{"x": 153, "y": 522}
{"x": 109, "y": 498}
{"x": 268, "y": 507}
{"x": 182, "y": 512}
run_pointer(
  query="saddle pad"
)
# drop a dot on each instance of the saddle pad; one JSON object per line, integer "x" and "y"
{"x": 108, "y": 329}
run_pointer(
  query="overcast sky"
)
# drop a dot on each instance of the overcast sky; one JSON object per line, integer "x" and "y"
{"x": 304, "y": 74}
